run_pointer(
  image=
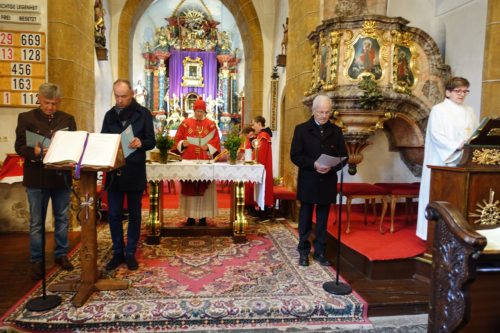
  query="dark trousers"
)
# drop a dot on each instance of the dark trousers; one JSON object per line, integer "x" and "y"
{"x": 305, "y": 227}
{"x": 115, "y": 206}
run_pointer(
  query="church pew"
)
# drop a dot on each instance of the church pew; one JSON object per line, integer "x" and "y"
{"x": 464, "y": 282}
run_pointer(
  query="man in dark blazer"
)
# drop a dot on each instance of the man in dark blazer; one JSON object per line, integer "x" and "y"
{"x": 130, "y": 179}
{"x": 316, "y": 184}
{"x": 43, "y": 184}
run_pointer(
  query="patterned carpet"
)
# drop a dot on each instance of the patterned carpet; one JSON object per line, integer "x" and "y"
{"x": 205, "y": 284}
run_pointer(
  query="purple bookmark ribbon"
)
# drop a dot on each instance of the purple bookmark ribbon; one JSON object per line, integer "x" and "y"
{"x": 78, "y": 166}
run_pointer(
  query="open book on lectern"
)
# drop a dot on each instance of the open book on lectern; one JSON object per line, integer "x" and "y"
{"x": 93, "y": 150}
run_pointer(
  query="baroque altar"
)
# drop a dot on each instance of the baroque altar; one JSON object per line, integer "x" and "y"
{"x": 189, "y": 58}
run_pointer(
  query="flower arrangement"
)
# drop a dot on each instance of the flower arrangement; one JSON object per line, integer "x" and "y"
{"x": 164, "y": 142}
{"x": 233, "y": 143}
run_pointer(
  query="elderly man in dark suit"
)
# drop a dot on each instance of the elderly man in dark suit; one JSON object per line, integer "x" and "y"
{"x": 316, "y": 184}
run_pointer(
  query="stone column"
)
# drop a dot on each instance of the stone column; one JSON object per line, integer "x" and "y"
{"x": 70, "y": 57}
{"x": 490, "y": 99}
{"x": 304, "y": 16}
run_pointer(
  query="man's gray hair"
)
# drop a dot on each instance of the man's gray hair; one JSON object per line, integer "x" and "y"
{"x": 321, "y": 100}
{"x": 49, "y": 90}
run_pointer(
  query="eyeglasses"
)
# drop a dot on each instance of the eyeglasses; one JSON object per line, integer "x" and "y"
{"x": 461, "y": 91}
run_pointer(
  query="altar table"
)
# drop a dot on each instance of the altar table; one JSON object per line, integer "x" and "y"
{"x": 193, "y": 170}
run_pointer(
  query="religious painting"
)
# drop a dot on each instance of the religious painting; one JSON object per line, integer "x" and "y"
{"x": 193, "y": 72}
{"x": 323, "y": 63}
{"x": 366, "y": 58}
{"x": 402, "y": 71}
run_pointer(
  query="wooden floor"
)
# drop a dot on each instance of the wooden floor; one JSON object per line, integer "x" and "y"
{"x": 388, "y": 287}
{"x": 15, "y": 273}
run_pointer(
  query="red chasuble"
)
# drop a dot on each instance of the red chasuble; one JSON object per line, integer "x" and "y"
{"x": 198, "y": 133}
{"x": 265, "y": 156}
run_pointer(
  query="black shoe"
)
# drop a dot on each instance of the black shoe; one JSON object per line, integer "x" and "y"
{"x": 116, "y": 261}
{"x": 36, "y": 270}
{"x": 253, "y": 212}
{"x": 303, "y": 260}
{"x": 64, "y": 262}
{"x": 203, "y": 222}
{"x": 190, "y": 222}
{"x": 262, "y": 219}
{"x": 131, "y": 262}
{"x": 322, "y": 260}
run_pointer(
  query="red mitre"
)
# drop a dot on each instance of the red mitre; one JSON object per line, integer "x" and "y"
{"x": 200, "y": 104}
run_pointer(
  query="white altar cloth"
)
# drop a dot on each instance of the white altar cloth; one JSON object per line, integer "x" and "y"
{"x": 202, "y": 170}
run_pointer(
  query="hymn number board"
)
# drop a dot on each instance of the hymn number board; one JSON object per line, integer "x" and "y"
{"x": 22, "y": 67}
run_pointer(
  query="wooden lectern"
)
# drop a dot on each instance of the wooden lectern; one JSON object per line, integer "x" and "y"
{"x": 90, "y": 276}
{"x": 473, "y": 186}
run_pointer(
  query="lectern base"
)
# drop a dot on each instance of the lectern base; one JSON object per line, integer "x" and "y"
{"x": 337, "y": 288}
{"x": 153, "y": 240}
{"x": 41, "y": 303}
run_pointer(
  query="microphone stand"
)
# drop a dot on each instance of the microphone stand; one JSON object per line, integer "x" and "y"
{"x": 44, "y": 302}
{"x": 336, "y": 287}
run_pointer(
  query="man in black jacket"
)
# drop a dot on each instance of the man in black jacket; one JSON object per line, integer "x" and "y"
{"x": 316, "y": 184}
{"x": 130, "y": 179}
{"x": 43, "y": 184}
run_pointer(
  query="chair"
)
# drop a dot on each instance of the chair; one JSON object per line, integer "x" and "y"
{"x": 397, "y": 191}
{"x": 365, "y": 191}
{"x": 282, "y": 195}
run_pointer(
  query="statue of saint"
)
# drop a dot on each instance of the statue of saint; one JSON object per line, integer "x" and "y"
{"x": 99, "y": 27}
{"x": 161, "y": 38}
{"x": 140, "y": 93}
{"x": 284, "y": 41}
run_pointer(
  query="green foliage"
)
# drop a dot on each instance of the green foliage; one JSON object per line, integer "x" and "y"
{"x": 372, "y": 95}
{"x": 164, "y": 142}
{"x": 233, "y": 141}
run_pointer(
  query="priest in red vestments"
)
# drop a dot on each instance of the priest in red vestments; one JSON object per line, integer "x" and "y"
{"x": 198, "y": 139}
{"x": 265, "y": 157}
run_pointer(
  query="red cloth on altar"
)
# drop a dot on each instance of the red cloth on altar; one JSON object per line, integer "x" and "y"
{"x": 12, "y": 169}
{"x": 265, "y": 157}
{"x": 196, "y": 132}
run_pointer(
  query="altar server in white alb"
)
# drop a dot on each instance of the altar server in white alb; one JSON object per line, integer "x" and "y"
{"x": 450, "y": 125}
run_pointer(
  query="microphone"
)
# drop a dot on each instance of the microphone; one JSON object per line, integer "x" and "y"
{"x": 336, "y": 287}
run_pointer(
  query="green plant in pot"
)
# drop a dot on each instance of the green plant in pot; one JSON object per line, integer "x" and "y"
{"x": 164, "y": 142}
{"x": 233, "y": 143}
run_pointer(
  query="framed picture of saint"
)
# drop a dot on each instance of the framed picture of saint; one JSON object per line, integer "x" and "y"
{"x": 193, "y": 72}
{"x": 366, "y": 58}
{"x": 403, "y": 74}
